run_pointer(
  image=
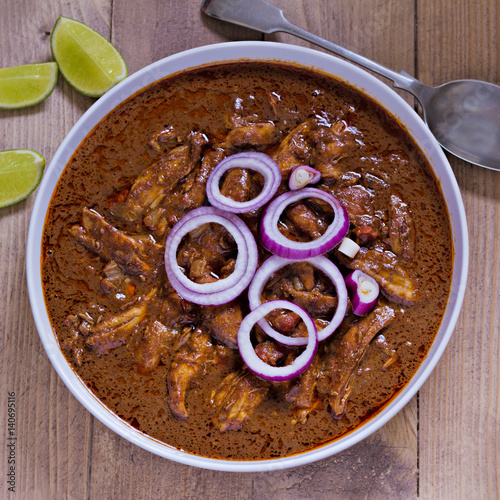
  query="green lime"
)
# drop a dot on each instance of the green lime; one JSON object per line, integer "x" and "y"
{"x": 21, "y": 171}
{"x": 89, "y": 63}
{"x": 23, "y": 86}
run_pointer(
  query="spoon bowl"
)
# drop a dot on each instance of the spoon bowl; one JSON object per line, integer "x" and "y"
{"x": 463, "y": 115}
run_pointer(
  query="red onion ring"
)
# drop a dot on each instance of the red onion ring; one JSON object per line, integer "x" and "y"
{"x": 303, "y": 175}
{"x": 259, "y": 367}
{"x": 274, "y": 241}
{"x": 325, "y": 265}
{"x": 223, "y": 290}
{"x": 258, "y": 162}
{"x": 364, "y": 292}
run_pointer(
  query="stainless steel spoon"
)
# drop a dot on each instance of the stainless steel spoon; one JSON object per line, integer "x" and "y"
{"x": 463, "y": 115}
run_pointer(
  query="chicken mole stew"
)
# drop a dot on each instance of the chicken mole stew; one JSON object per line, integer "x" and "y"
{"x": 206, "y": 196}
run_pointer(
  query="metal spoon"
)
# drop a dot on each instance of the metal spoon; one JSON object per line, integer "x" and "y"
{"x": 463, "y": 115}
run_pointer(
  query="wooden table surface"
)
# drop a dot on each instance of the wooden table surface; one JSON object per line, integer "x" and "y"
{"x": 445, "y": 444}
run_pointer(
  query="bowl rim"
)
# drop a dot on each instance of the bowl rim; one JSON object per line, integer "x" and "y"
{"x": 237, "y": 51}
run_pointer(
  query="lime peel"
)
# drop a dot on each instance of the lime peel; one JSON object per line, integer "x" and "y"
{"x": 26, "y": 85}
{"x": 88, "y": 62}
{"x": 21, "y": 171}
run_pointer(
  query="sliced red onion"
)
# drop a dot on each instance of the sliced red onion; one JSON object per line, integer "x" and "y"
{"x": 303, "y": 175}
{"x": 258, "y": 162}
{"x": 274, "y": 241}
{"x": 364, "y": 292}
{"x": 325, "y": 265}
{"x": 223, "y": 290}
{"x": 259, "y": 367}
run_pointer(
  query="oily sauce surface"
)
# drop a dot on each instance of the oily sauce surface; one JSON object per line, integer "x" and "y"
{"x": 130, "y": 337}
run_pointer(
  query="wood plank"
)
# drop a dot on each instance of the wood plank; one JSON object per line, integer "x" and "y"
{"x": 459, "y": 406}
{"x": 382, "y": 31}
{"x": 52, "y": 428}
{"x": 167, "y": 28}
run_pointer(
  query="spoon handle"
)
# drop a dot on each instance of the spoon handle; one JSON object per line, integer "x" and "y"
{"x": 267, "y": 18}
{"x": 401, "y": 80}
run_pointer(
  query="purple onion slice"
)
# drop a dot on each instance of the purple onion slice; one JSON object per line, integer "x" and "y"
{"x": 274, "y": 241}
{"x": 303, "y": 175}
{"x": 275, "y": 263}
{"x": 364, "y": 292}
{"x": 223, "y": 290}
{"x": 258, "y": 162}
{"x": 259, "y": 367}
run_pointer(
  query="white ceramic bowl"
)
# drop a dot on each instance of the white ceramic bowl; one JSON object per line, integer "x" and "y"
{"x": 227, "y": 52}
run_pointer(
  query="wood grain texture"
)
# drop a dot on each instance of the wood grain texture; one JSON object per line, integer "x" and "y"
{"x": 445, "y": 444}
{"x": 362, "y": 26}
{"x": 460, "y": 404}
{"x": 52, "y": 458}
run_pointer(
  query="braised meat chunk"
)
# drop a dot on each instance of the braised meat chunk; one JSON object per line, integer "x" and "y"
{"x": 256, "y": 135}
{"x": 338, "y": 379}
{"x": 383, "y": 266}
{"x": 195, "y": 351}
{"x": 207, "y": 254}
{"x": 116, "y": 330}
{"x": 332, "y": 142}
{"x": 134, "y": 255}
{"x": 401, "y": 228}
{"x": 153, "y": 345}
{"x": 295, "y": 148}
{"x": 223, "y": 322}
{"x": 303, "y": 393}
{"x": 236, "y": 398}
{"x": 161, "y": 178}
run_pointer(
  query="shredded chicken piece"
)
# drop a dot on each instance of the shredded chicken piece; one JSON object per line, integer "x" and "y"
{"x": 195, "y": 351}
{"x": 338, "y": 380}
{"x": 164, "y": 140}
{"x": 236, "y": 398}
{"x": 384, "y": 268}
{"x": 402, "y": 236}
{"x": 162, "y": 177}
{"x": 187, "y": 195}
{"x": 133, "y": 255}
{"x": 258, "y": 135}
{"x": 116, "y": 330}
{"x": 303, "y": 392}
{"x": 223, "y": 322}
{"x": 148, "y": 352}
{"x": 295, "y": 148}
{"x": 330, "y": 144}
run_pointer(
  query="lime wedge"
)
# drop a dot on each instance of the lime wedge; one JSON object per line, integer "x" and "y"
{"x": 89, "y": 63}
{"x": 20, "y": 173}
{"x": 22, "y": 86}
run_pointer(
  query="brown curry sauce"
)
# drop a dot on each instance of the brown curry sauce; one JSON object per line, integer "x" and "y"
{"x": 374, "y": 160}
